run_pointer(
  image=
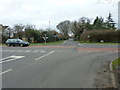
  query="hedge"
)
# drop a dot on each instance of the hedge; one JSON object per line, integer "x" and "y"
{"x": 109, "y": 36}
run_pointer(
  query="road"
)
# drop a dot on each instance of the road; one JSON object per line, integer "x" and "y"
{"x": 68, "y": 65}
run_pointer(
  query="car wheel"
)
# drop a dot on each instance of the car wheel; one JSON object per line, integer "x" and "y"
{"x": 21, "y": 45}
{"x": 8, "y": 45}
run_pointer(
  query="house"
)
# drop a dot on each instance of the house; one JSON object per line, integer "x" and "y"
{"x": 119, "y": 15}
{"x": 2, "y": 29}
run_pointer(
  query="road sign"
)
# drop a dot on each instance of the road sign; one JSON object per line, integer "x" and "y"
{"x": 55, "y": 35}
{"x": 45, "y": 38}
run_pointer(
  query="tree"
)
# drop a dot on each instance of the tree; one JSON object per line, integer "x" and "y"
{"x": 85, "y": 23}
{"x": 29, "y": 27}
{"x": 18, "y": 29}
{"x": 29, "y": 32}
{"x": 33, "y": 34}
{"x": 64, "y": 28}
{"x": 77, "y": 28}
{"x": 109, "y": 22}
{"x": 98, "y": 23}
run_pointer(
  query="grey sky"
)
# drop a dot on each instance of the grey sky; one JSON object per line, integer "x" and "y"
{"x": 40, "y": 12}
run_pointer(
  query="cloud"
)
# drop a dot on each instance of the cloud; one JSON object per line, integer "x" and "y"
{"x": 40, "y": 12}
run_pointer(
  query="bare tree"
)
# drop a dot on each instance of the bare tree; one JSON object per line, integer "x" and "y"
{"x": 85, "y": 23}
{"x": 29, "y": 27}
{"x": 77, "y": 27}
{"x": 64, "y": 27}
{"x": 18, "y": 29}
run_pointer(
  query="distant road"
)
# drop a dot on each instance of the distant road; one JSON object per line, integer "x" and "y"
{"x": 68, "y": 65}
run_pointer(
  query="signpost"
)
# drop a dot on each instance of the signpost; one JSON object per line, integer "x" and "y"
{"x": 45, "y": 38}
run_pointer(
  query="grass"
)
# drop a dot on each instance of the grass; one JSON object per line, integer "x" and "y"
{"x": 98, "y": 43}
{"x": 2, "y": 44}
{"x": 116, "y": 62}
{"x": 51, "y": 43}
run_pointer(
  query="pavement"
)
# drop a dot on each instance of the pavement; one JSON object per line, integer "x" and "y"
{"x": 67, "y": 65}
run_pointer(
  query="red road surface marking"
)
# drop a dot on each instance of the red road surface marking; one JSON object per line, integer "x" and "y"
{"x": 47, "y": 46}
{"x": 98, "y": 49}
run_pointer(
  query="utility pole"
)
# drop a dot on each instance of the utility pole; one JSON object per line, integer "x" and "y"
{"x": 49, "y": 25}
{"x": 49, "y": 31}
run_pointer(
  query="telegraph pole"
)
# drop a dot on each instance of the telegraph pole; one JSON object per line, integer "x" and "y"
{"x": 49, "y": 25}
{"x": 49, "y": 30}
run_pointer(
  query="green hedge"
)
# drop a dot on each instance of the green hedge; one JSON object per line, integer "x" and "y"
{"x": 110, "y": 36}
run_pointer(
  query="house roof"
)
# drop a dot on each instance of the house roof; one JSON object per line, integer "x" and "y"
{"x": 4, "y": 27}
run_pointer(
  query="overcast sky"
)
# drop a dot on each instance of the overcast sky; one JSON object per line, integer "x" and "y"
{"x": 40, "y": 12}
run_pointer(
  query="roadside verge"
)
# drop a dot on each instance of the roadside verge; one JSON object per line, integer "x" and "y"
{"x": 114, "y": 72}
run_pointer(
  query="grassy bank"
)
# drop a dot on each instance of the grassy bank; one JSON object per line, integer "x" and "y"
{"x": 37, "y": 44}
{"x": 51, "y": 43}
{"x": 98, "y": 43}
{"x": 116, "y": 62}
{"x": 2, "y": 44}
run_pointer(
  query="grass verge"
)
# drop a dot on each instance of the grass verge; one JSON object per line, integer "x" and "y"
{"x": 116, "y": 62}
{"x": 51, "y": 43}
{"x": 98, "y": 43}
{"x": 2, "y": 44}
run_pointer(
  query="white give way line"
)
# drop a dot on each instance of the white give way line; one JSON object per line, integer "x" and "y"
{"x": 10, "y": 58}
{"x": 6, "y": 71}
{"x": 45, "y": 55}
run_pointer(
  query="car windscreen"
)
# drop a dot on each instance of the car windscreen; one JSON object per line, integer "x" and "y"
{"x": 19, "y": 40}
{"x": 8, "y": 41}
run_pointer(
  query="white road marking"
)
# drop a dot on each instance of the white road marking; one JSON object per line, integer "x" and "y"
{"x": 6, "y": 71}
{"x": 64, "y": 42}
{"x": 28, "y": 50}
{"x": 80, "y": 44}
{"x": 42, "y": 51}
{"x": 4, "y": 58}
{"x": 12, "y": 51}
{"x": 73, "y": 45}
{"x": 5, "y": 50}
{"x": 116, "y": 51}
{"x": 45, "y": 55}
{"x": 17, "y": 56}
{"x": 12, "y": 58}
{"x": 35, "y": 51}
{"x": 19, "y": 51}
{"x": 22, "y": 51}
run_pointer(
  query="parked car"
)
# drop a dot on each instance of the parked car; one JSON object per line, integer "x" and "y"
{"x": 16, "y": 42}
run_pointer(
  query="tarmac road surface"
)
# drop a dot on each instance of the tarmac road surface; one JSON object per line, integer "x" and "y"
{"x": 68, "y": 65}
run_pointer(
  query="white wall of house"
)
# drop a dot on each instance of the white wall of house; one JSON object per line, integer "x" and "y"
{"x": 0, "y": 29}
{"x": 119, "y": 15}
